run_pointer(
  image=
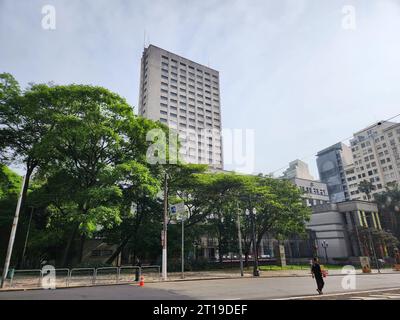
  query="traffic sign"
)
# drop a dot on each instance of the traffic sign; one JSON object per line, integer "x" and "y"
{"x": 177, "y": 208}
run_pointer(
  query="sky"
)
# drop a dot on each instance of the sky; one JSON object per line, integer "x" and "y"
{"x": 291, "y": 70}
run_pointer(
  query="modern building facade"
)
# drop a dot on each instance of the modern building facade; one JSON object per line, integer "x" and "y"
{"x": 376, "y": 158}
{"x": 297, "y": 169}
{"x": 314, "y": 192}
{"x": 185, "y": 96}
{"x": 337, "y": 226}
{"x": 373, "y": 156}
{"x": 331, "y": 164}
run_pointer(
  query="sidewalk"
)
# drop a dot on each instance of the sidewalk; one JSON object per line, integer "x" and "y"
{"x": 203, "y": 275}
{"x": 207, "y": 275}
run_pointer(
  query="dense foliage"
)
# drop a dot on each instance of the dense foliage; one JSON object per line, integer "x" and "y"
{"x": 85, "y": 155}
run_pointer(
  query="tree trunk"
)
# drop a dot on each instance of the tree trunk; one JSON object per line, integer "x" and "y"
{"x": 119, "y": 249}
{"x": 29, "y": 171}
{"x": 81, "y": 247}
{"x": 220, "y": 251}
{"x": 69, "y": 244}
{"x": 246, "y": 259}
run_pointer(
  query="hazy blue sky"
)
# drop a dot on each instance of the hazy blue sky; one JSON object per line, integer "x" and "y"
{"x": 289, "y": 70}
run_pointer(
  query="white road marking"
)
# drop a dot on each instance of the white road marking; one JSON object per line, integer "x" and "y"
{"x": 387, "y": 296}
{"x": 366, "y": 298}
{"x": 340, "y": 294}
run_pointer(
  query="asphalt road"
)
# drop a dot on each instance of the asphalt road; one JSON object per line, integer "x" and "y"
{"x": 232, "y": 289}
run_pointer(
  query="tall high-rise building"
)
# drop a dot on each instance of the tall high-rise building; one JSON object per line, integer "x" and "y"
{"x": 376, "y": 158}
{"x": 331, "y": 163}
{"x": 184, "y": 95}
{"x": 373, "y": 156}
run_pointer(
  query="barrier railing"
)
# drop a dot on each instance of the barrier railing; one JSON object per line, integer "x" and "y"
{"x": 129, "y": 274}
{"x": 28, "y": 278}
{"x": 106, "y": 275}
{"x": 65, "y": 277}
{"x": 62, "y": 281}
{"x": 147, "y": 270}
{"x": 82, "y": 274}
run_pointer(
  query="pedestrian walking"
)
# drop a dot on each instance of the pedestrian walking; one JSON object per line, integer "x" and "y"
{"x": 317, "y": 274}
{"x": 137, "y": 263}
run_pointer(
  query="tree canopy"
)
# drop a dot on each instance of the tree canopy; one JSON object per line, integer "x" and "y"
{"x": 85, "y": 154}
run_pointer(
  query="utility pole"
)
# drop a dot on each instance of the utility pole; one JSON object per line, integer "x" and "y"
{"x": 253, "y": 221}
{"x": 26, "y": 238}
{"x": 240, "y": 241}
{"x": 12, "y": 235}
{"x": 164, "y": 232}
{"x": 183, "y": 247}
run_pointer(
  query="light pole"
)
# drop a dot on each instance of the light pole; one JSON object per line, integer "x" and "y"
{"x": 240, "y": 241}
{"x": 164, "y": 231}
{"x": 26, "y": 238}
{"x": 183, "y": 246}
{"x": 252, "y": 215}
{"x": 324, "y": 245}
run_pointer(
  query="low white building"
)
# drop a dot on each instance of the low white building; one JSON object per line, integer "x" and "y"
{"x": 314, "y": 192}
{"x": 334, "y": 224}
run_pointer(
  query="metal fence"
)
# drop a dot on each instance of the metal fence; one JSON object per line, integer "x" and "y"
{"x": 128, "y": 274}
{"x": 62, "y": 277}
{"x": 84, "y": 276}
{"x": 106, "y": 275}
{"x": 26, "y": 278}
{"x": 151, "y": 271}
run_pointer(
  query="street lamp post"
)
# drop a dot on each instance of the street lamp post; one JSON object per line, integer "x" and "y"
{"x": 240, "y": 241}
{"x": 325, "y": 246}
{"x": 252, "y": 215}
{"x": 164, "y": 231}
{"x": 183, "y": 247}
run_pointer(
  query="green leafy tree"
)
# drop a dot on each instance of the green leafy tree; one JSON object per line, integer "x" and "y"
{"x": 373, "y": 239}
{"x": 88, "y": 145}
{"x": 10, "y": 184}
{"x": 366, "y": 187}
{"x": 389, "y": 208}
{"x": 27, "y": 120}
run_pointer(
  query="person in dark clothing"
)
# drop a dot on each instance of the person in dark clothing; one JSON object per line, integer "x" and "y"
{"x": 137, "y": 271}
{"x": 317, "y": 274}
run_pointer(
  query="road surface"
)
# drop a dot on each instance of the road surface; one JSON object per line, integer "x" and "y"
{"x": 235, "y": 289}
